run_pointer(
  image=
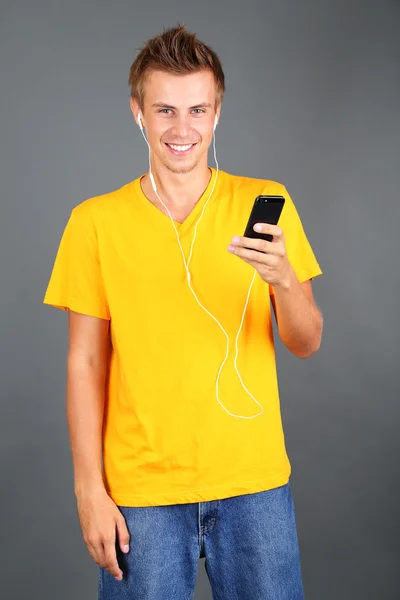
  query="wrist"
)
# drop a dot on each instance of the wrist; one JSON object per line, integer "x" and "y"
{"x": 89, "y": 488}
{"x": 286, "y": 281}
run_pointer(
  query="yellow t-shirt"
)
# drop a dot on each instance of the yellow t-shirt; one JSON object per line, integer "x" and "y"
{"x": 166, "y": 439}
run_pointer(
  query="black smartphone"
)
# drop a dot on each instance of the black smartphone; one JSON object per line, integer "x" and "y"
{"x": 266, "y": 209}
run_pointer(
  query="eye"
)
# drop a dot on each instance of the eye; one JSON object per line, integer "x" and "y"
{"x": 163, "y": 110}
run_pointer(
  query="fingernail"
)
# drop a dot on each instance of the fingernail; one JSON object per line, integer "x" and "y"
{"x": 258, "y": 227}
{"x": 235, "y": 239}
{"x": 126, "y": 548}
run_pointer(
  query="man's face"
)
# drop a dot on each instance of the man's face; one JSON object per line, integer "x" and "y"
{"x": 179, "y": 110}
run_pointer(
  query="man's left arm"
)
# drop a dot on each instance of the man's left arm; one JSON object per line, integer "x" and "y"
{"x": 298, "y": 318}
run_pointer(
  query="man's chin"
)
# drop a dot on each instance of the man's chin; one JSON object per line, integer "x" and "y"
{"x": 176, "y": 168}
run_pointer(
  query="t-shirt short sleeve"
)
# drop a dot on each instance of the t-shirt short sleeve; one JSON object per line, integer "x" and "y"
{"x": 76, "y": 281}
{"x": 298, "y": 248}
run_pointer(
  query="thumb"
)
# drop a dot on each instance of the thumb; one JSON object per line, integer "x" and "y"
{"x": 123, "y": 535}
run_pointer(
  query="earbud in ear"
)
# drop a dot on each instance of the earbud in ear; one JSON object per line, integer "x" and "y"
{"x": 140, "y": 121}
{"x": 215, "y": 122}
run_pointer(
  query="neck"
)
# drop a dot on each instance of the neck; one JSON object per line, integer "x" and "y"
{"x": 177, "y": 190}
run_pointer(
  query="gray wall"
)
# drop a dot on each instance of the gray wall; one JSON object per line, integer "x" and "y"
{"x": 312, "y": 101}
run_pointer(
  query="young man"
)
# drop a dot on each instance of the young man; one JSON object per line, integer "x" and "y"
{"x": 191, "y": 467}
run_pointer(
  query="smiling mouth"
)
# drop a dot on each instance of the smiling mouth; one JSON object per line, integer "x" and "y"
{"x": 180, "y": 149}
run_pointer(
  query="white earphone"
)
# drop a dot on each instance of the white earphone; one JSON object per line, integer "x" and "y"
{"x": 186, "y": 265}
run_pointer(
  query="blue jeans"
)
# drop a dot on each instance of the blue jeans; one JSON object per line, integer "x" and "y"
{"x": 249, "y": 543}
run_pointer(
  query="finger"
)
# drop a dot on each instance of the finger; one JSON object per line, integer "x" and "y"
{"x": 257, "y": 244}
{"x": 254, "y": 256}
{"x": 123, "y": 535}
{"x": 96, "y": 551}
{"x": 274, "y": 230}
{"x": 110, "y": 554}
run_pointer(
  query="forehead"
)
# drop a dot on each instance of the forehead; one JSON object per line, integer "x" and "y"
{"x": 180, "y": 90}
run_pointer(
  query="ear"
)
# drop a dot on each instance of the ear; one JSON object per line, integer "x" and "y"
{"x": 134, "y": 106}
{"x": 218, "y": 113}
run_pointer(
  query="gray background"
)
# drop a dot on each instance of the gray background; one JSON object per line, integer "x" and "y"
{"x": 312, "y": 101}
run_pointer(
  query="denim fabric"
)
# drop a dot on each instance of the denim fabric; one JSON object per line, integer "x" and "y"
{"x": 249, "y": 543}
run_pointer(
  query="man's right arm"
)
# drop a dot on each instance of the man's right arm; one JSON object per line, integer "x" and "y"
{"x": 86, "y": 377}
{"x": 101, "y": 521}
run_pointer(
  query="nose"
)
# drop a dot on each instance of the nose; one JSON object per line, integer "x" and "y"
{"x": 181, "y": 126}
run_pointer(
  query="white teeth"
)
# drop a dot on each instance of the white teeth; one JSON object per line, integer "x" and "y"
{"x": 180, "y": 148}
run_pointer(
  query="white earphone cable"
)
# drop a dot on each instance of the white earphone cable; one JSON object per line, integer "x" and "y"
{"x": 186, "y": 265}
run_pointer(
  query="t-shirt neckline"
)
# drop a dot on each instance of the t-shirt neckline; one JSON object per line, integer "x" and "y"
{"x": 163, "y": 218}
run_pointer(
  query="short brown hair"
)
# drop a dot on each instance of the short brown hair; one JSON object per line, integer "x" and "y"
{"x": 178, "y": 51}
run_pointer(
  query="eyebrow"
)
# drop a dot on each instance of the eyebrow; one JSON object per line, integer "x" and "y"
{"x": 162, "y": 105}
